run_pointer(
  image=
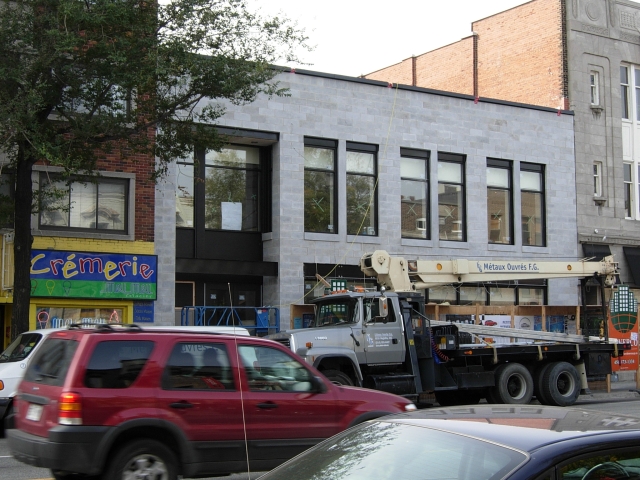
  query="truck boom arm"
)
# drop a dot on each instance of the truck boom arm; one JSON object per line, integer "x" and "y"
{"x": 399, "y": 275}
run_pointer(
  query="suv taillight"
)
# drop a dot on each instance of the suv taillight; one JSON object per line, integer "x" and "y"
{"x": 70, "y": 409}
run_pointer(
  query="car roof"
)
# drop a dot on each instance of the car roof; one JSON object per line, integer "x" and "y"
{"x": 525, "y": 427}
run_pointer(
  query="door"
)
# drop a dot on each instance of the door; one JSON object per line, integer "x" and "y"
{"x": 383, "y": 340}
{"x": 280, "y": 404}
{"x": 200, "y": 394}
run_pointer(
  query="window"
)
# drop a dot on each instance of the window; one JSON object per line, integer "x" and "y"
{"x": 185, "y": 193}
{"x": 198, "y": 366}
{"x": 617, "y": 463}
{"x": 628, "y": 190}
{"x": 595, "y": 87}
{"x": 51, "y": 362}
{"x": 499, "y": 216}
{"x": 361, "y": 189}
{"x": 414, "y": 197}
{"x": 232, "y": 189}
{"x": 99, "y": 204}
{"x": 636, "y": 73}
{"x": 117, "y": 364}
{"x": 6, "y": 199}
{"x": 271, "y": 369}
{"x": 451, "y": 196}
{"x": 320, "y": 213}
{"x": 597, "y": 179}
{"x": 624, "y": 91}
{"x": 532, "y": 204}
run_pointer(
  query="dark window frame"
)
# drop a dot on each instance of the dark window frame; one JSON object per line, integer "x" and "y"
{"x": 504, "y": 165}
{"x": 357, "y": 147}
{"x": 426, "y": 156}
{"x": 461, "y": 159}
{"x": 537, "y": 168}
{"x": 328, "y": 144}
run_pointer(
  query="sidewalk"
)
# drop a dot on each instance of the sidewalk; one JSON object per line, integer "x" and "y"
{"x": 620, "y": 390}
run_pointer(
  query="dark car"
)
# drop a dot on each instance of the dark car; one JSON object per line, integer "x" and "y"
{"x": 487, "y": 442}
{"x": 126, "y": 403}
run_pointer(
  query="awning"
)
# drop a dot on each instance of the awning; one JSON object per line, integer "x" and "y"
{"x": 632, "y": 254}
{"x": 596, "y": 251}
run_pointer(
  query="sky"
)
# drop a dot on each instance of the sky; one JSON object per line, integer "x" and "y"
{"x": 356, "y": 37}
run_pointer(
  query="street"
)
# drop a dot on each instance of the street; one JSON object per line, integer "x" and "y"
{"x": 10, "y": 469}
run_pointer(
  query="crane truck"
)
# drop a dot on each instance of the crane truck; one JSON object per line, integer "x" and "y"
{"x": 383, "y": 340}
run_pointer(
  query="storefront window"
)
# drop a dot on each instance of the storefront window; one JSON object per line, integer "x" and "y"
{"x": 54, "y": 317}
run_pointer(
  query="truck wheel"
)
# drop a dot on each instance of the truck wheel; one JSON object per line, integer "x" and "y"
{"x": 514, "y": 384}
{"x": 561, "y": 384}
{"x": 143, "y": 458}
{"x": 338, "y": 377}
{"x": 538, "y": 381}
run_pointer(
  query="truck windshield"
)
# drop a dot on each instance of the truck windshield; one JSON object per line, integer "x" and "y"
{"x": 20, "y": 348}
{"x": 335, "y": 313}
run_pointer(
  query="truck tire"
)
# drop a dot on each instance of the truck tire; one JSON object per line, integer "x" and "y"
{"x": 538, "y": 380}
{"x": 561, "y": 384}
{"x": 143, "y": 458}
{"x": 338, "y": 378}
{"x": 514, "y": 384}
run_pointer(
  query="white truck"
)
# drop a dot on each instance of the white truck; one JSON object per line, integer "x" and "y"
{"x": 383, "y": 340}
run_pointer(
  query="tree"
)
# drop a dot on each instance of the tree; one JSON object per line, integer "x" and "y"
{"x": 84, "y": 79}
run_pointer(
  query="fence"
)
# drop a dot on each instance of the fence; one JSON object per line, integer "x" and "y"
{"x": 259, "y": 321}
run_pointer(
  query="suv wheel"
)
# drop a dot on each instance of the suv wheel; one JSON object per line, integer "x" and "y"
{"x": 144, "y": 458}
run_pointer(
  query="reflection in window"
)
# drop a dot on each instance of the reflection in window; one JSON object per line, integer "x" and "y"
{"x": 273, "y": 370}
{"x": 184, "y": 193}
{"x": 499, "y": 201}
{"x": 502, "y": 296}
{"x": 55, "y": 317}
{"x": 319, "y": 189}
{"x": 101, "y": 205}
{"x": 198, "y": 366}
{"x": 532, "y": 204}
{"x": 361, "y": 198}
{"x": 232, "y": 192}
{"x": 414, "y": 199}
{"x": 451, "y": 194}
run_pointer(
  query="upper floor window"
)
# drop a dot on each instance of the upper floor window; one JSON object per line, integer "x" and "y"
{"x": 98, "y": 204}
{"x": 362, "y": 205}
{"x": 320, "y": 212}
{"x": 624, "y": 90}
{"x": 594, "y": 81}
{"x": 628, "y": 190}
{"x": 414, "y": 189}
{"x": 230, "y": 196}
{"x": 499, "y": 195}
{"x": 451, "y": 197}
{"x": 597, "y": 179}
{"x": 532, "y": 204}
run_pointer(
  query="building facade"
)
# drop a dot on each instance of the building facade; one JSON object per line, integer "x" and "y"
{"x": 344, "y": 166}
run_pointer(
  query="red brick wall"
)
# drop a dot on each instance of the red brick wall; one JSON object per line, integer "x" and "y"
{"x": 143, "y": 167}
{"x": 520, "y": 54}
{"x": 398, "y": 73}
{"x": 449, "y": 68}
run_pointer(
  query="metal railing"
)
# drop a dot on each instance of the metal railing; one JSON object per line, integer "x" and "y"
{"x": 259, "y": 321}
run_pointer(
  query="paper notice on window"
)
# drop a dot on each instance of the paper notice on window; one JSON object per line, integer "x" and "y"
{"x": 231, "y": 215}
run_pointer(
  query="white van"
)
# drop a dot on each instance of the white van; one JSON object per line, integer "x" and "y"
{"x": 17, "y": 356}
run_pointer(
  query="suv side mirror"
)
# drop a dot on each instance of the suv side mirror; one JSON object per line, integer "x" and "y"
{"x": 318, "y": 385}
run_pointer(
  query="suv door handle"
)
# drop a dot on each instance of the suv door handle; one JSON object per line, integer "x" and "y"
{"x": 181, "y": 405}
{"x": 267, "y": 405}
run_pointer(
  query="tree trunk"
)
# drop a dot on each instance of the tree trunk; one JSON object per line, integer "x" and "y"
{"x": 22, "y": 243}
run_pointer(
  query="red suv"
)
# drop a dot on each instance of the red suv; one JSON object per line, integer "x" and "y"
{"x": 122, "y": 402}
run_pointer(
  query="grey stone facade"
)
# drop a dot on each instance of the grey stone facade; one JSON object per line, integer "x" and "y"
{"x": 349, "y": 109}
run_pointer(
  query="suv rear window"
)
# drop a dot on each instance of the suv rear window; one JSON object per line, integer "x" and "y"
{"x": 51, "y": 361}
{"x": 117, "y": 363}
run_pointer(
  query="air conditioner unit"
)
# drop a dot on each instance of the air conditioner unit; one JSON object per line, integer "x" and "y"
{"x": 7, "y": 262}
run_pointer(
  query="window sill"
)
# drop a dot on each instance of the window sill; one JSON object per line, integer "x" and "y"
{"x": 321, "y": 237}
{"x": 362, "y": 239}
{"x": 501, "y": 247}
{"x": 416, "y": 242}
{"x": 599, "y": 201}
{"x": 597, "y": 108}
{"x": 267, "y": 236}
{"x": 450, "y": 244}
{"x": 532, "y": 249}
{"x": 76, "y": 234}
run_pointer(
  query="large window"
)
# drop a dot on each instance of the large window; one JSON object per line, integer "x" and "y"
{"x": 99, "y": 204}
{"x": 320, "y": 213}
{"x": 414, "y": 199}
{"x": 230, "y": 195}
{"x": 532, "y": 204}
{"x": 361, "y": 189}
{"x": 451, "y": 196}
{"x": 499, "y": 195}
{"x": 624, "y": 90}
{"x": 628, "y": 190}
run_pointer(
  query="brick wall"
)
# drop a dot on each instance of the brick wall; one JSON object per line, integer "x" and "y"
{"x": 449, "y": 68}
{"x": 399, "y": 73}
{"x": 520, "y": 54}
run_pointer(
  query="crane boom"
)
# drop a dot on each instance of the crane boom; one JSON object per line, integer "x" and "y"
{"x": 399, "y": 275}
